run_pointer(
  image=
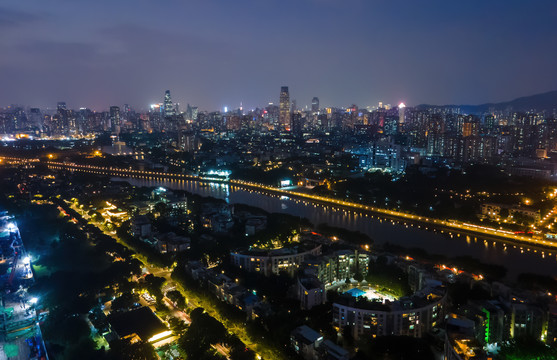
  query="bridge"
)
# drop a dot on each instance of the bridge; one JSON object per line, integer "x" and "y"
{"x": 448, "y": 225}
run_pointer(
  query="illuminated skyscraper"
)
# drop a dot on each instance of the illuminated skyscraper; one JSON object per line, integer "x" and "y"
{"x": 168, "y": 107}
{"x": 315, "y": 105}
{"x": 401, "y": 107}
{"x": 284, "y": 109}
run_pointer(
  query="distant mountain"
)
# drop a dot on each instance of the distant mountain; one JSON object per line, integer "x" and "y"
{"x": 540, "y": 102}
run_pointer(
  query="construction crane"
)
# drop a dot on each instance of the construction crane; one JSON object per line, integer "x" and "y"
{"x": 14, "y": 265}
{"x": 14, "y": 237}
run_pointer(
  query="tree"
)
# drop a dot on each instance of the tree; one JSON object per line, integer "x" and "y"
{"x": 161, "y": 208}
{"x": 242, "y": 353}
{"x": 527, "y": 348}
{"x": 97, "y": 217}
{"x": 239, "y": 351}
{"x": 124, "y": 302}
{"x": 84, "y": 350}
{"x": 177, "y": 325}
{"x": 195, "y": 347}
{"x": 153, "y": 285}
{"x": 203, "y": 331}
{"x": 177, "y": 298}
{"x": 125, "y": 350}
{"x": 523, "y": 219}
{"x": 64, "y": 329}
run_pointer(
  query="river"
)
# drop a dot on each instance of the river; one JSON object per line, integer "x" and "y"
{"x": 517, "y": 259}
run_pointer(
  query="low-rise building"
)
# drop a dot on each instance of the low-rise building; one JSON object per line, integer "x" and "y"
{"x": 417, "y": 277}
{"x": 460, "y": 343}
{"x": 526, "y": 320}
{"x": 287, "y": 259}
{"x": 309, "y": 344}
{"x": 338, "y": 266}
{"x": 305, "y": 341}
{"x": 170, "y": 242}
{"x": 495, "y": 327}
{"x": 255, "y": 224}
{"x": 140, "y": 324}
{"x": 408, "y": 316}
{"x": 494, "y": 211}
{"x": 311, "y": 292}
{"x": 217, "y": 217}
{"x": 141, "y": 226}
{"x": 330, "y": 351}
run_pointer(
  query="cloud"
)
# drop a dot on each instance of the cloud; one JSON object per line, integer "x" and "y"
{"x": 11, "y": 18}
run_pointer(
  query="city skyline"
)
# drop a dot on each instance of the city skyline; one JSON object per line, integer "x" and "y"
{"x": 214, "y": 55}
{"x": 542, "y": 99}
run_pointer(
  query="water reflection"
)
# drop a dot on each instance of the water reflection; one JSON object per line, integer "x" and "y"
{"x": 516, "y": 259}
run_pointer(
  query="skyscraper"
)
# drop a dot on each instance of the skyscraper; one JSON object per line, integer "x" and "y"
{"x": 168, "y": 107}
{"x": 284, "y": 109}
{"x": 401, "y": 118}
{"x": 115, "y": 119}
{"x": 315, "y": 105}
{"x": 61, "y": 106}
{"x": 35, "y": 118}
{"x": 62, "y": 122}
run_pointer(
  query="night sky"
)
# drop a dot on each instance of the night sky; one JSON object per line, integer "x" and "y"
{"x": 213, "y": 53}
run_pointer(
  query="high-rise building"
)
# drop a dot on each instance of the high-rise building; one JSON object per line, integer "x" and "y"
{"x": 61, "y": 106}
{"x": 83, "y": 120}
{"x": 284, "y": 109}
{"x": 470, "y": 127}
{"x": 401, "y": 107}
{"x": 61, "y": 118}
{"x": 297, "y": 124}
{"x": 168, "y": 106}
{"x": 126, "y": 115}
{"x": 115, "y": 119}
{"x": 435, "y": 130}
{"x": 35, "y": 118}
{"x": 315, "y": 105}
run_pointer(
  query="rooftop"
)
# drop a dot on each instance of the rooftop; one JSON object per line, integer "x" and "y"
{"x": 141, "y": 321}
{"x": 306, "y": 334}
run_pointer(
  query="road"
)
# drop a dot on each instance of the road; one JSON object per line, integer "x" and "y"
{"x": 191, "y": 299}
